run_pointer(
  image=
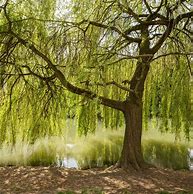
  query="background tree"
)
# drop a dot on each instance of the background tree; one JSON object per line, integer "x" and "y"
{"x": 103, "y": 51}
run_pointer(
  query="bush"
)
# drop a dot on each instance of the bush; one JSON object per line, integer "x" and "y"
{"x": 42, "y": 155}
{"x": 97, "y": 152}
{"x": 165, "y": 154}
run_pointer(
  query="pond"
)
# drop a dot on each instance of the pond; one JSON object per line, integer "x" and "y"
{"x": 71, "y": 162}
{"x": 67, "y": 162}
{"x": 190, "y": 158}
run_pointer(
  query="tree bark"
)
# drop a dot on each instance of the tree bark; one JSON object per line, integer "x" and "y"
{"x": 131, "y": 156}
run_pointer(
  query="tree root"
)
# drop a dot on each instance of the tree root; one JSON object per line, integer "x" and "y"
{"x": 113, "y": 167}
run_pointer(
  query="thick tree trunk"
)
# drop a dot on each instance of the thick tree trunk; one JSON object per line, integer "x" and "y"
{"x": 131, "y": 156}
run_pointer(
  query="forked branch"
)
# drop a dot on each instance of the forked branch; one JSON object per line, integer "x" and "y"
{"x": 74, "y": 89}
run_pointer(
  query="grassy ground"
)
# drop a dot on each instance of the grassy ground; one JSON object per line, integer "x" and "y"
{"x": 101, "y": 149}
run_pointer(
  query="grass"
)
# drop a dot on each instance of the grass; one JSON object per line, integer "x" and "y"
{"x": 166, "y": 154}
{"x": 42, "y": 152}
{"x": 160, "y": 151}
{"x": 96, "y": 150}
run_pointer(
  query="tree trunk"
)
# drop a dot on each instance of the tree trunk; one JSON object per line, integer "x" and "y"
{"x": 131, "y": 156}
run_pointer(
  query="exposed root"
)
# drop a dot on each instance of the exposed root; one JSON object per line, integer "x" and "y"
{"x": 130, "y": 167}
{"x": 113, "y": 167}
{"x": 145, "y": 166}
{"x": 136, "y": 166}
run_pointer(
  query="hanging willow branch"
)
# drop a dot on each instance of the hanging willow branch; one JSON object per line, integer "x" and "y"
{"x": 103, "y": 53}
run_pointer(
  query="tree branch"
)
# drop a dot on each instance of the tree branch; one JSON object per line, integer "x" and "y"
{"x": 123, "y": 34}
{"x": 39, "y": 76}
{"x": 173, "y": 53}
{"x": 148, "y": 7}
{"x": 74, "y": 89}
{"x": 114, "y": 83}
{"x": 155, "y": 14}
{"x": 176, "y": 5}
{"x": 163, "y": 37}
{"x": 129, "y": 11}
{"x": 161, "y": 21}
{"x": 183, "y": 16}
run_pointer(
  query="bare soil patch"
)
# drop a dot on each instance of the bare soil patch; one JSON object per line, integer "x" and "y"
{"x": 51, "y": 180}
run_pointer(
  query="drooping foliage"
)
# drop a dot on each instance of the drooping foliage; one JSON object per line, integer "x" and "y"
{"x": 167, "y": 96}
{"x": 91, "y": 56}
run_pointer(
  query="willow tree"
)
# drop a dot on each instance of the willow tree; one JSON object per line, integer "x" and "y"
{"x": 101, "y": 51}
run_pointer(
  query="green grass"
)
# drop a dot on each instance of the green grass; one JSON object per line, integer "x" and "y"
{"x": 96, "y": 150}
{"x": 42, "y": 152}
{"x": 160, "y": 151}
{"x": 166, "y": 154}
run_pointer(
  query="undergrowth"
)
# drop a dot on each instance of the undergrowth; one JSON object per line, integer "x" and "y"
{"x": 99, "y": 150}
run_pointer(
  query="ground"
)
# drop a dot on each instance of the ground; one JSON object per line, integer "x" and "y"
{"x": 51, "y": 180}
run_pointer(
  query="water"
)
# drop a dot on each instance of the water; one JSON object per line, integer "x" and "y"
{"x": 70, "y": 162}
{"x": 67, "y": 162}
{"x": 190, "y": 158}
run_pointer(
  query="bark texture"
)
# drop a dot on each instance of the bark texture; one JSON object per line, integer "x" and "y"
{"x": 131, "y": 156}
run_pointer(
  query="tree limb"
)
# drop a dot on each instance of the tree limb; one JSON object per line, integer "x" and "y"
{"x": 163, "y": 37}
{"x": 183, "y": 16}
{"x": 74, "y": 89}
{"x": 173, "y": 53}
{"x": 129, "y": 11}
{"x": 108, "y": 84}
{"x": 39, "y": 76}
{"x": 123, "y": 34}
{"x": 148, "y": 7}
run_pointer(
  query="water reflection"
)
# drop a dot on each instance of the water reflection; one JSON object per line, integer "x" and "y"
{"x": 67, "y": 162}
{"x": 190, "y": 158}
